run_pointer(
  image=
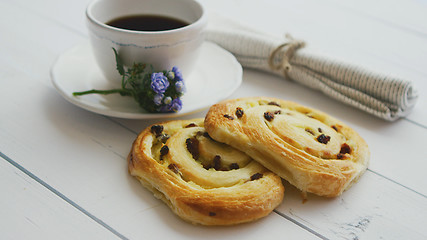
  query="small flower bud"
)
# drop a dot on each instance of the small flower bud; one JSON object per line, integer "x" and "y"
{"x": 171, "y": 75}
{"x": 167, "y": 100}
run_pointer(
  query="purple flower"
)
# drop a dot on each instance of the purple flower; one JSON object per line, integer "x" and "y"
{"x": 158, "y": 99}
{"x": 159, "y": 83}
{"x": 180, "y": 86}
{"x": 178, "y": 74}
{"x": 176, "y": 105}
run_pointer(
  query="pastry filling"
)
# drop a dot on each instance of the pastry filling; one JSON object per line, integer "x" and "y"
{"x": 188, "y": 152}
{"x": 299, "y": 127}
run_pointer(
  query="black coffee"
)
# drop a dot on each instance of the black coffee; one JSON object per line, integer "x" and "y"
{"x": 147, "y": 23}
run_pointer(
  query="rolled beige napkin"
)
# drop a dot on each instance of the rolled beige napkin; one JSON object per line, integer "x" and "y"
{"x": 382, "y": 95}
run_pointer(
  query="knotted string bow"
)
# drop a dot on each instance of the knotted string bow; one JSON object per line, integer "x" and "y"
{"x": 290, "y": 47}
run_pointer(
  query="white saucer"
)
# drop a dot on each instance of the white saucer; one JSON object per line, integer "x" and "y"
{"x": 216, "y": 76}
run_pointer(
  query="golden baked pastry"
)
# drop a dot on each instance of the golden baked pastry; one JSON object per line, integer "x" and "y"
{"x": 312, "y": 150}
{"x": 201, "y": 180}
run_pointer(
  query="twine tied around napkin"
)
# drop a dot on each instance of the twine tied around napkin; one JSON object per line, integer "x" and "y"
{"x": 384, "y": 96}
{"x": 291, "y": 46}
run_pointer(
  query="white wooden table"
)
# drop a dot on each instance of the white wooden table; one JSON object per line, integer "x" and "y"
{"x": 63, "y": 170}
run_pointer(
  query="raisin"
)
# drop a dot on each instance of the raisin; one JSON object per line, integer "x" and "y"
{"x": 157, "y": 129}
{"x": 191, "y": 125}
{"x": 206, "y": 166}
{"x": 234, "y": 166}
{"x": 274, "y": 104}
{"x": 163, "y": 151}
{"x": 206, "y": 135}
{"x": 217, "y": 162}
{"x": 173, "y": 167}
{"x": 335, "y": 128}
{"x": 193, "y": 147}
{"x": 228, "y": 116}
{"x": 239, "y": 112}
{"x": 320, "y": 130}
{"x": 268, "y": 116}
{"x": 309, "y": 131}
{"x": 199, "y": 133}
{"x": 340, "y": 156}
{"x": 256, "y": 176}
{"x": 163, "y": 137}
{"x": 345, "y": 148}
{"x": 323, "y": 138}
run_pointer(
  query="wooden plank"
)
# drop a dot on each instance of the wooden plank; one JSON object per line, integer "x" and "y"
{"x": 30, "y": 211}
{"x": 162, "y": 223}
{"x": 374, "y": 208}
{"x": 68, "y": 15}
{"x": 409, "y": 16}
{"x": 33, "y": 51}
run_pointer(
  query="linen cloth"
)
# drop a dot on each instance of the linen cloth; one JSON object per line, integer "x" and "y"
{"x": 382, "y": 95}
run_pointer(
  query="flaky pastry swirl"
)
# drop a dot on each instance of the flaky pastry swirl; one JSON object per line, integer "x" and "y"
{"x": 201, "y": 180}
{"x": 312, "y": 150}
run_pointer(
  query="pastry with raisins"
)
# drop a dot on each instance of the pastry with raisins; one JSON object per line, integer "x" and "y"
{"x": 201, "y": 180}
{"x": 312, "y": 150}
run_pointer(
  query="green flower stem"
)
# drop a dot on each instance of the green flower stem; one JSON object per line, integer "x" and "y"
{"x": 104, "y": 92}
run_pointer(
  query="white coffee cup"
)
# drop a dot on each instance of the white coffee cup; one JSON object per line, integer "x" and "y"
{"x": 163, "y": 49}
